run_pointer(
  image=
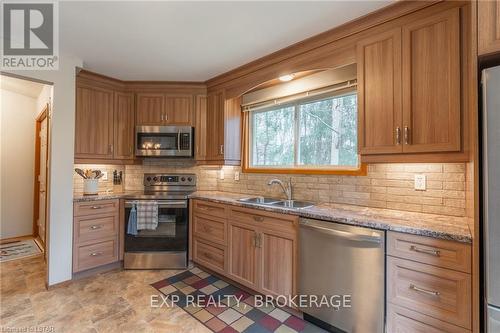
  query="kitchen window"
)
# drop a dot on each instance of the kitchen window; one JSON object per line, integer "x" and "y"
{"x": 312, "y": 134}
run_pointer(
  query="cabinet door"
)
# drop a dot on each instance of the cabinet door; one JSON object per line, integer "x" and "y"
{"x": 150, "y": 109}
{"x": 94, "y": 123}
{"x": 215, "y": 126}
{"x": 431, "y": 83}
{"x": 124, "y": 122}
{"x": 488, "y": 26}
{"x": 277, "y": 263}
{"x": 379, "y": 93}
{"x": 243, "y": 255}
{"x": 200, "y": 133}
{"x": 179, "y": 110}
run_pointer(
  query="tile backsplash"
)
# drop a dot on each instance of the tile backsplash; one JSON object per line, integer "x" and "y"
{"x": 104, "y": 185}
{"x": 385, "y": 186}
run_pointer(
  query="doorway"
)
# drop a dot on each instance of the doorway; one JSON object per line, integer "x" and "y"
{"x": 40, "y": 178}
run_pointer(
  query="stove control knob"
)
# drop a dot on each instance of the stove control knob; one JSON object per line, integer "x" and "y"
{"x": 148, "y": 179}
{"x": 190, "y": 179}
{"x": 183, "y": 179}
{"x": 155, "y": 179}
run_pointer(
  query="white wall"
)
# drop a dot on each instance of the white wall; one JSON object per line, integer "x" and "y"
{"x": 60, "y": 166}
{"x": 44, "y": 98}
{"x": 17, "y": 156}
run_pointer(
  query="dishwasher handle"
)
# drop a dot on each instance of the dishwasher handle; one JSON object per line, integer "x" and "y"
{"x": 343, "y": 234}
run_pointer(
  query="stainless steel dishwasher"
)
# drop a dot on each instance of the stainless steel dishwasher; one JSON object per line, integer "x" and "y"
{"x": 338, "y": 260}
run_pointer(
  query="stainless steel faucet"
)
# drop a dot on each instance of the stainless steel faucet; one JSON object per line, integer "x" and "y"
{"x": 286, "y": 187}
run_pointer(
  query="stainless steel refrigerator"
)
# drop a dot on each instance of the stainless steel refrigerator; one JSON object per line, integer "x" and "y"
{"x": 491, "y": 195}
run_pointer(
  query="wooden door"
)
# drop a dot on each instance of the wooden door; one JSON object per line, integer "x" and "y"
{"x": 150, "y": 109}
{"x": 242, "y": 254}
{"x": 379, "y": 93}
{"x": 94, "y": 123}
{"x": 488, "y": 26}
{"x": 277, "y": 262}
{"x": 200, "y": 131}
{"x": 431, "y": 83}
{"x": 124, "y": 126}
{"x": 179, "y": 110}
{"x": 215, "y": 126}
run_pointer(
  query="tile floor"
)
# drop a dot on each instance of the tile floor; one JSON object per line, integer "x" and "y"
{"x": 115, "y": 301}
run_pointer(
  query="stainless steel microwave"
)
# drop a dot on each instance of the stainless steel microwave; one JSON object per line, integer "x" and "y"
{"x": 166, "y": 141}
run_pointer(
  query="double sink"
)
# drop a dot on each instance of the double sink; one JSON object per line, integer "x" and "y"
{"x": 272, "y": 202}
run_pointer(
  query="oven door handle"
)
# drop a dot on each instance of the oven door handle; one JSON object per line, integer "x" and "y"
{"x": 163, "y": 204}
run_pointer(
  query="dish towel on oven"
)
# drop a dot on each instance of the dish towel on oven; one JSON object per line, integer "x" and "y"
{"x": 132, "y": 221}
{"x": 147, "y": 215}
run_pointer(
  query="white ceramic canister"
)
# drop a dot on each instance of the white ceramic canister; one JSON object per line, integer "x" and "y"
{"x": 90, "y": 186}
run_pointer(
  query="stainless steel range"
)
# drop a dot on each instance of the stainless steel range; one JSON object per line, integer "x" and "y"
{"x": 166, "y": 246}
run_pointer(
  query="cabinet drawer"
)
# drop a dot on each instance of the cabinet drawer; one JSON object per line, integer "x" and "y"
{"x": 208, "y": 255}
{"x": 439, "y": 293}
{"x": 95, "y": 227}
{"x": 278, "y": 222}
{"x": 90, "y": 256}
{"x": 96, "y": 207}
{"x": 209, "y": 208}
{"x": 401, "y": 320}
{"x": 437, "y": 252}
{"x": 210, "y": 228}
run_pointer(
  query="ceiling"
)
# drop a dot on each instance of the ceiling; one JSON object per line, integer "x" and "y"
{"x": 191, "y": 41}
{"x": 20, "y": 86}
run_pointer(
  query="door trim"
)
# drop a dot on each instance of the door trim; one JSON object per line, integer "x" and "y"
{"x": 36, "y": 183}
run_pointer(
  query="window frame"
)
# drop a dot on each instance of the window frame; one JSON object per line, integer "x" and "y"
{"x": 361, "y": 170}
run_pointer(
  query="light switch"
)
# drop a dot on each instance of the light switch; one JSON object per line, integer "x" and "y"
{"x": 237, "y": 175}
{"x": 221, "y": 174}
{"x": 420, "y": 183}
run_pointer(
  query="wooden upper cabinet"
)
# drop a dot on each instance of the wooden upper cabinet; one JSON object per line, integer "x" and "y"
{"x": 431, "y": 83}
{"x": 179, "y": 110}
{"x": 93, "y": 123}
{"x": 223, "y": 129}
{"x": 379, "y": 93}
{"x": 488, "y": 27}
{"x": 200, "y": 134}
{"x": 124, "y": 126}
{"x": 150, "y": 109}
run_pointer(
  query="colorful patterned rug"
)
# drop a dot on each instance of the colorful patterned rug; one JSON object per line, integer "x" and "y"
{"x": 18, "y": 249}
{"x": 236, "y": 313}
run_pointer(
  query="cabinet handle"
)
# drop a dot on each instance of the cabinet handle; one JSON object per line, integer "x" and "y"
{"x": 95, "y": 227}
{"x": 259, "y": 240}
{"x": 208, "y": 255}
{"x": 96, "y": 207}
{"x": 435, "y": 253}
{"x": 254, "y": 239}
{"x": 258, "y": 218}
{"x": 95, "y": 254}
{"x": 221, "y": 149}
{"x": 424, "y": 291}
{"x": 206, "y": 228}
{"x": 209, "y": 209}
{"x": 407, "y": 135}
{"x": 161, "y": 116}
{"x": 398, "y": 135}
{"x": 110, "y": 149}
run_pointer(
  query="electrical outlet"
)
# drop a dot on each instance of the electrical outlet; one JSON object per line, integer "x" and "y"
{"x": 221, "y": 174}
{"x": 104, "y": 175}
{"x": 237, "y": 175}
{"x": 420, "y": 183}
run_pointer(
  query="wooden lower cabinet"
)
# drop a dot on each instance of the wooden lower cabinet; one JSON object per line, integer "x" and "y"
{"x": 423, "y": 293}
{"x": 261, "y": 248}
{"x": 243, "y": 254}
{"x": 278, "y": 257}
{"x": 96, "y": 229}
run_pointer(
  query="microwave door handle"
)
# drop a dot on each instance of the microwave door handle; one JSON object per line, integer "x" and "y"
{"x": 179, "y": 140}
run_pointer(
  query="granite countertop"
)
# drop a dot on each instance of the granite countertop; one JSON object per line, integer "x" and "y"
{"x": 79, "y": 197}
{"x": 431, "y": 225}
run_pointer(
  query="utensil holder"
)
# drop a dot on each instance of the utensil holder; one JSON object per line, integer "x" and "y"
{"x": 90, "y": 186}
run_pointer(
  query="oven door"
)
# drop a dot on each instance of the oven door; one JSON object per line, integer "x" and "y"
{"x": 171, "y": 233}
{"x": 164, "y": 141}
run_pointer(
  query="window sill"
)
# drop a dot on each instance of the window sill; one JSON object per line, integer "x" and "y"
{"x": 362, "y": 171}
